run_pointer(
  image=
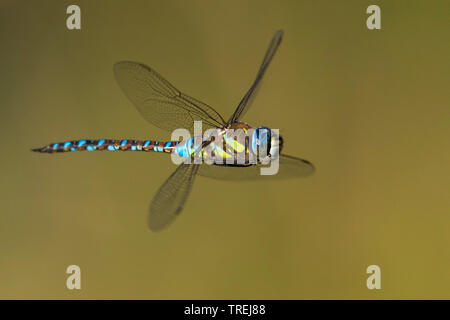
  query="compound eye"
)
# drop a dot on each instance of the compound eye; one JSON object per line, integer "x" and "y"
{"x": 261, "y": 138}
{"x": 264, "y": 134}
{"x": 255, "y": 141}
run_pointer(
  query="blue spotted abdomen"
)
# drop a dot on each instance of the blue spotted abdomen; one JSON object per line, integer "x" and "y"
{"x": 109, "y": 145}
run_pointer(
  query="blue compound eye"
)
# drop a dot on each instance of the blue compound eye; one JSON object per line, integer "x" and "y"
{"x": 261, "y": 138}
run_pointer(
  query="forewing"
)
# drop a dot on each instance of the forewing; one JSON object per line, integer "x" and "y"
{"x": 289, "y": 167}
{"x": 246, "y": 101}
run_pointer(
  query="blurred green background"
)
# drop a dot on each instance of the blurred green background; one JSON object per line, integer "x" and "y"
{"x": 369, "y": 108}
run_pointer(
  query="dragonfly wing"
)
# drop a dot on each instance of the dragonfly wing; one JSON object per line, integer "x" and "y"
{"x": 246, "y": 101}
{"x": 171, "y": 197}
{"x": 289, "y": 167}
{"x": 161, "y": 103}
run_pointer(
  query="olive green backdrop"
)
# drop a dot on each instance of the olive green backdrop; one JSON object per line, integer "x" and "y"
{"x": 369, "y": 108}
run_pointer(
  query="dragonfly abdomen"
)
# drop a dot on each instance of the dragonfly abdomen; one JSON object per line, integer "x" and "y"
{"x": 109, "y": 145}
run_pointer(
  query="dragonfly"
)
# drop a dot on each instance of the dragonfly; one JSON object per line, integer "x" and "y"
{"x": 166, "y": 107}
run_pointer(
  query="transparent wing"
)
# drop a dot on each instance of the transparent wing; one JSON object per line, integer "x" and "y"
{"x": 171, "y": 196}
{"x": 161, "y": 103}
{"x": 289, "y": 167}
{"x": 246, "y": 101}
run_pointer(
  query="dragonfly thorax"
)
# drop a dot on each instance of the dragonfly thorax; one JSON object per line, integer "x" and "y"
{"x": 238, "y": 144}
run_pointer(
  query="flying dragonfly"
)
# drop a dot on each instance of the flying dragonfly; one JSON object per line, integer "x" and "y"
{"x": 164, "y": 106}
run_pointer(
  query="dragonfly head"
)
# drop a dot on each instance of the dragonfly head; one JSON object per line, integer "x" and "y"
{"x": 266, "y": 142}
